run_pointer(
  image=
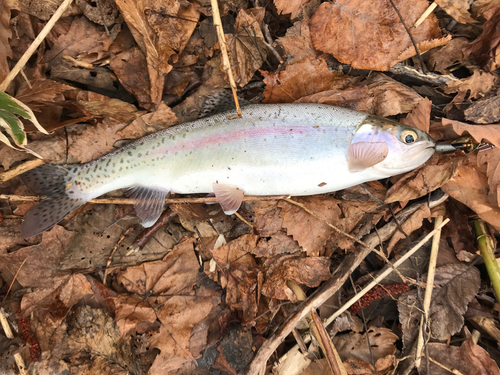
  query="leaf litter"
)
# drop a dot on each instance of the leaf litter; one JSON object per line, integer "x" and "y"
{"x": 208, "y": 292}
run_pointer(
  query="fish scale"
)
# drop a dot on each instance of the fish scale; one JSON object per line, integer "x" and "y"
{"x": 295, "y": 149}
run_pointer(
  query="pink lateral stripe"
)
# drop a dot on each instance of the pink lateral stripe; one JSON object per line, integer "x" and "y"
{"x": 230, "y": 136}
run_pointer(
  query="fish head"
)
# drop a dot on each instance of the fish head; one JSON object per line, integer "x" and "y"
{"x": 404, "y": 147}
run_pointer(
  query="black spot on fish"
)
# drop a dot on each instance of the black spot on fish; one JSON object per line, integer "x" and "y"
{"x": 163, "y": 140}
{"x": 129, "y": 153}
{"x": 121, "y": 161}
{"x": 139, "y": 155}
{"x": 113, "y": 171}
{"x": 119, "y": 170}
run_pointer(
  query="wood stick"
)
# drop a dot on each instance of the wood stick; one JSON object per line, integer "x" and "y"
{"x": 223, "y": 49}
{"x": 20, "y": 169}
{"x": 425, "y": 15}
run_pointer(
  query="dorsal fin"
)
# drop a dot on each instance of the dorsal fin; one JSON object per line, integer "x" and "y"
{"x": 220, "y": 101}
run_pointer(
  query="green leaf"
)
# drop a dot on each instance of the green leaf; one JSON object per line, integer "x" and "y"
{"x": 7, "y": 104}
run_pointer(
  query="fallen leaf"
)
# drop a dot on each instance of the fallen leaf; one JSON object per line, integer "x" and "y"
{"x": 298, "y": 43}
{"x": 413, "y": 223}
{"x": 160, "y": 35}
{"x": 300, "y": 79}
{"x": 309, "y": 232}
{"x": 5, "y": 35}
{"x": 458, "y": 9}
{"x": 420, "y": 116}
{"x": 174, "y": 274}
{"x": 359, "y": 367}
{"x": 105, "y": 13}
{"x": 84, "y": 40}
{"x": 440, "y": 59}
{"x": 355, "y": 345}
{"x": 178, "y": 315}
{"x": 41, "y": 268}
{"x": 469, "y": 358}
{"x": 484, "y": 111}
{"x": 484, "y": 50}
{"x": 456, "y": 285}
{"x": 246, "y": 52}
{"x": 349, "y": 30}
{"x": 439, "y": 169}
{"x": 293, "y": 7}
{"x": 133, "y": 314}
{"x": 479, "y": 83}
{"x": 309, "y": 271}
{"x": 235, "y": 350}
{"x": 278, "y": 243}
{"x": 238, "y": 273}
{"x": 470, "y": 187}
{"x": 88, "y": 342}
{"x": 484, "y": 8}
{"x": 490, "y": 133}
{"x": 490, "y": 160}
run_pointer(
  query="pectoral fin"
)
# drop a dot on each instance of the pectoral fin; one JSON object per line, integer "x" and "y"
{"x": 229, "y": 197}
{"x": 363, "y": 155}
{"x": 149, "y": 203}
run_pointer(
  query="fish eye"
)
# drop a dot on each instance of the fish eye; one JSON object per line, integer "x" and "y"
{"x": 408, "y": 136}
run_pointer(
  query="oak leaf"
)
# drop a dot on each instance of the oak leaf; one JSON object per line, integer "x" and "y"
{"x": 458, "y": 9}
{"x": 370, "y": 35}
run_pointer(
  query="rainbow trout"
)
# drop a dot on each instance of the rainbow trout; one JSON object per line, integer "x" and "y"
{"x": 295, "y": 149}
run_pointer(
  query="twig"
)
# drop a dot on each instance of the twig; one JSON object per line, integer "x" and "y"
{"x": 20, "y": 169}
{"x": 269, "y": 43}
{"x": 14, "y": 279}
{"x": 327, "y": 344}
{"x": 424, "y": 15}
{"x": 34, "y": 198}
{"x": 485, "y": 244}
{"x": 243, "y": 219}
{"x": 424, "y": 68}
{"x": 223, "y": 49}
{"x": 110, "y": 258}
{"x": 8, "y": 333}
{"x": 382, "y": 275}
{"x": 428, "y": 290}
{"x": 317, "y": 329}
{"x": 32, "y": 48}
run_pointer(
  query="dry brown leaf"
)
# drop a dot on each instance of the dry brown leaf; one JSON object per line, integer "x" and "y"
{"x": 105, "y": 13}
{"x": 310, "y": 271}
{"x": 298, "y": 43}
{"x": 133, "y": 313}
{"x": 456, "y": 285}
{"x": 350, "y": 30}
{"x": 479, "y": 84}
{"x": 490, "y": 161}
{"x": 290, "y": 6}
{"x": 42, "y": 260}
{"x": 5, "y": 35}
{"x": 420, "y": 116}
{"x": 484, "y": 8}
{"x": 469, "y": 358}
{"x": 161, "y": 31}
{"x": 278, "y": 243}
{"x": 301, "y": 79}
{"x": 425, "y": 179}
{"x": 484, "y": 111}
{"x": 485, "y": 49}
{"x": 174, "y": 274}
{"x": 355, "y": 345}
{"x": 413, "y": 223}
{"x": 440, "y": 59}
{"x": 384, "y": 365}
{"x": 178, "y": 316}
{"x": 390, "y": 96}
{"x": 88, "y": 342}
{"x": 458, "y": 9}
{"x": 84, "y": 41}
{"x": 309, "y": 232}
{"x": 470, "y": 187}
{"x": 267, "y": 220}
{"x": 244, "y": 55}
{"x": 490, "y": 133}
{"x": 238, "y": 273}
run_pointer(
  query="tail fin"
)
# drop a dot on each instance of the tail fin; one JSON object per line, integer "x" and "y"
{"x": 49, "y": 180}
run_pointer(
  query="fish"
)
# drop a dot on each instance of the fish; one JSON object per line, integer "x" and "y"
{"x": 273, "y": 149}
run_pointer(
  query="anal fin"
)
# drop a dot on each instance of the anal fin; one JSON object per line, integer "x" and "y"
{"x": 149, "y": 203}
{"x": 229, "y": 197}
